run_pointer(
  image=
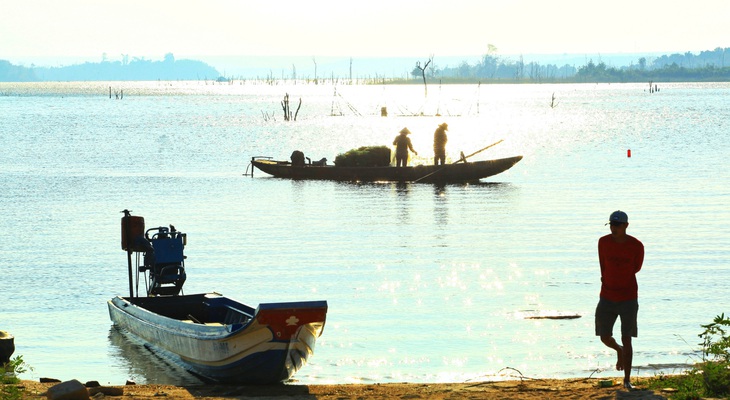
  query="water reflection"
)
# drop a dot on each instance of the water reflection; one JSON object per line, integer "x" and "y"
{"x": 142, "y": 365}
{"x": 402, "y": 187}
{"x": 404, "y": 207}
{"x": 441, "y": 205}
{"x": 502, "y": 191}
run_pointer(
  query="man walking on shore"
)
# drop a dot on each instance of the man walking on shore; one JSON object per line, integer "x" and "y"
{"x": 620, "y": 257}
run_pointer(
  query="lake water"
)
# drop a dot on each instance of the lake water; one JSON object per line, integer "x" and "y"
{"x": 424, "y": 283}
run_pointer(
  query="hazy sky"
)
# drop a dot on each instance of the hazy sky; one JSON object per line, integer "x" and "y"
{"x": 151, "y": 28}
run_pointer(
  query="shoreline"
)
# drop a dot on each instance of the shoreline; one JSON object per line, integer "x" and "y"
{"x": 524, "y": 389}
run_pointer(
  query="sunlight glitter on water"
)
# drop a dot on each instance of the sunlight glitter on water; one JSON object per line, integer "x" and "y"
{"x": 424, "y": 283}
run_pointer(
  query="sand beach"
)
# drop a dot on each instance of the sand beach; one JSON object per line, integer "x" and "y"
{"x": 526, "y": 389}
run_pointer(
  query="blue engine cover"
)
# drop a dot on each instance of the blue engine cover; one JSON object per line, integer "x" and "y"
{"x": 168, "y": 250}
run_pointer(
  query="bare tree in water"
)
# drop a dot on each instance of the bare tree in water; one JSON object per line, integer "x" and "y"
{"x": 423, "y": 73}
{"x": 287, "y": 111}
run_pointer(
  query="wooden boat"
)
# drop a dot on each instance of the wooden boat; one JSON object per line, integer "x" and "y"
{"x": 449, "y": 173}
{"x": 221, "y": 340}
{"x": 216, "y": 338}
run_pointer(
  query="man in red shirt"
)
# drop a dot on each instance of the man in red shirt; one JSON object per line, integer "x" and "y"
{"x": 620, "y": 257}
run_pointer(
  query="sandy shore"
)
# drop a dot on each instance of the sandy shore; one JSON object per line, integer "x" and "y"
{"x": 533, "y": 389}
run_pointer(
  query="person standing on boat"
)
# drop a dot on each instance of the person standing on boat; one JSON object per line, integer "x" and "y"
{"x": 620, "y": 257}
{"x": 439, "y": 144}
{"x": 402, "y": 144}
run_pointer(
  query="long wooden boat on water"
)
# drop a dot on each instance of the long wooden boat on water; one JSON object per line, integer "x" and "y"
{"x": 214, "y": 337}
{"x": 448, "y": 173}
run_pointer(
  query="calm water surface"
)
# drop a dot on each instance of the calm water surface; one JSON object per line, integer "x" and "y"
{"x": 425, "y": 283}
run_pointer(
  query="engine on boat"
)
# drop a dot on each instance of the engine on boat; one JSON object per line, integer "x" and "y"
{"x": 159, "y": 256}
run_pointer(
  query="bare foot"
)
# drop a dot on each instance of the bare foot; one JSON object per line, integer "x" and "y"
{"x": 620, "y": 361}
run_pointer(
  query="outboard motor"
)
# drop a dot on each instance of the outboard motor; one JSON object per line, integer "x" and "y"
{"x": 163, "y": 261}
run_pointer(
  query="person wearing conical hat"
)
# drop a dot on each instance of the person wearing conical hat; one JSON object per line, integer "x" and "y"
{"x": 402, "y": 144}
{"x": 439, "y": 144}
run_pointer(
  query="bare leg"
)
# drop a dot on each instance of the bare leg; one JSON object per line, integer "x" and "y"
{"x": 620, "y": 361}
{"x": 628, "y": 356}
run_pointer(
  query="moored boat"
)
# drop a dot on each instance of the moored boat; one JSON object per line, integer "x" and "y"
{"x": 214, "y": 337}
{"x": 448, "y": 173}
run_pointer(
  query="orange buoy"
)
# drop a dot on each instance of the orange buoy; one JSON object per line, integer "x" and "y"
{"x": 628, "y": 153}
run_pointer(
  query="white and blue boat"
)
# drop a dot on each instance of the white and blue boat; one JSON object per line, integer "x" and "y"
{"x": 216, "y": 338}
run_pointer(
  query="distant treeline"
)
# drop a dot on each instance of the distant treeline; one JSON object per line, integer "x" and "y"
{"x": 137, "y": 69}
{"x": 491, "y": 68}
{"x": 706, "y": 66}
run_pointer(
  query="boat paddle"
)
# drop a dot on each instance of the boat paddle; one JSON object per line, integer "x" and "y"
{"x": 461, "y": 159}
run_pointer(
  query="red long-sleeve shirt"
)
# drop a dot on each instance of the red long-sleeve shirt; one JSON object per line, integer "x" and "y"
{"x": 619, "y": 264}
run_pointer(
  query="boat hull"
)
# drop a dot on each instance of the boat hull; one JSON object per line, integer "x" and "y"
{"x": 449, "y": 173}
{"x": 222, "y": 340}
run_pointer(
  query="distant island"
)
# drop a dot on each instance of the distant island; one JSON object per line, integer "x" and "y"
{"x": 705, "y": 66}
{"x": 137, "y": 69}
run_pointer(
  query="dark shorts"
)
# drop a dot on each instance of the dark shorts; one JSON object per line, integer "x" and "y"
{"x": 607, "y": 311}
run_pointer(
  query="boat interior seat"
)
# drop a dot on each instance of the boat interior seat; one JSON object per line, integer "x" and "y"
{"x": 234, "y": 316}
{"x": 167, "y": 279}
{"x": 169, "y": 274}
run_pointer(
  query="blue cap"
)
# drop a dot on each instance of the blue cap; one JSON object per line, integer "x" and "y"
{"x": 618, "y": 216}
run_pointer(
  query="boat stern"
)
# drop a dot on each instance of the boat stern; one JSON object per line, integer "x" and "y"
{"x": 297, "y": 324}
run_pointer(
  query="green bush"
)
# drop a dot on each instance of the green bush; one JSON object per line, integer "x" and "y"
{"x": 689, "y": 386}
{"x": 9, "y": 379}
{"x": 716, "y": 378}
{"x": 366, "y": 156}
{"x": 711, "y": 377}
{"x": 716, "y": 354}
{"x": 715, "y": 340}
